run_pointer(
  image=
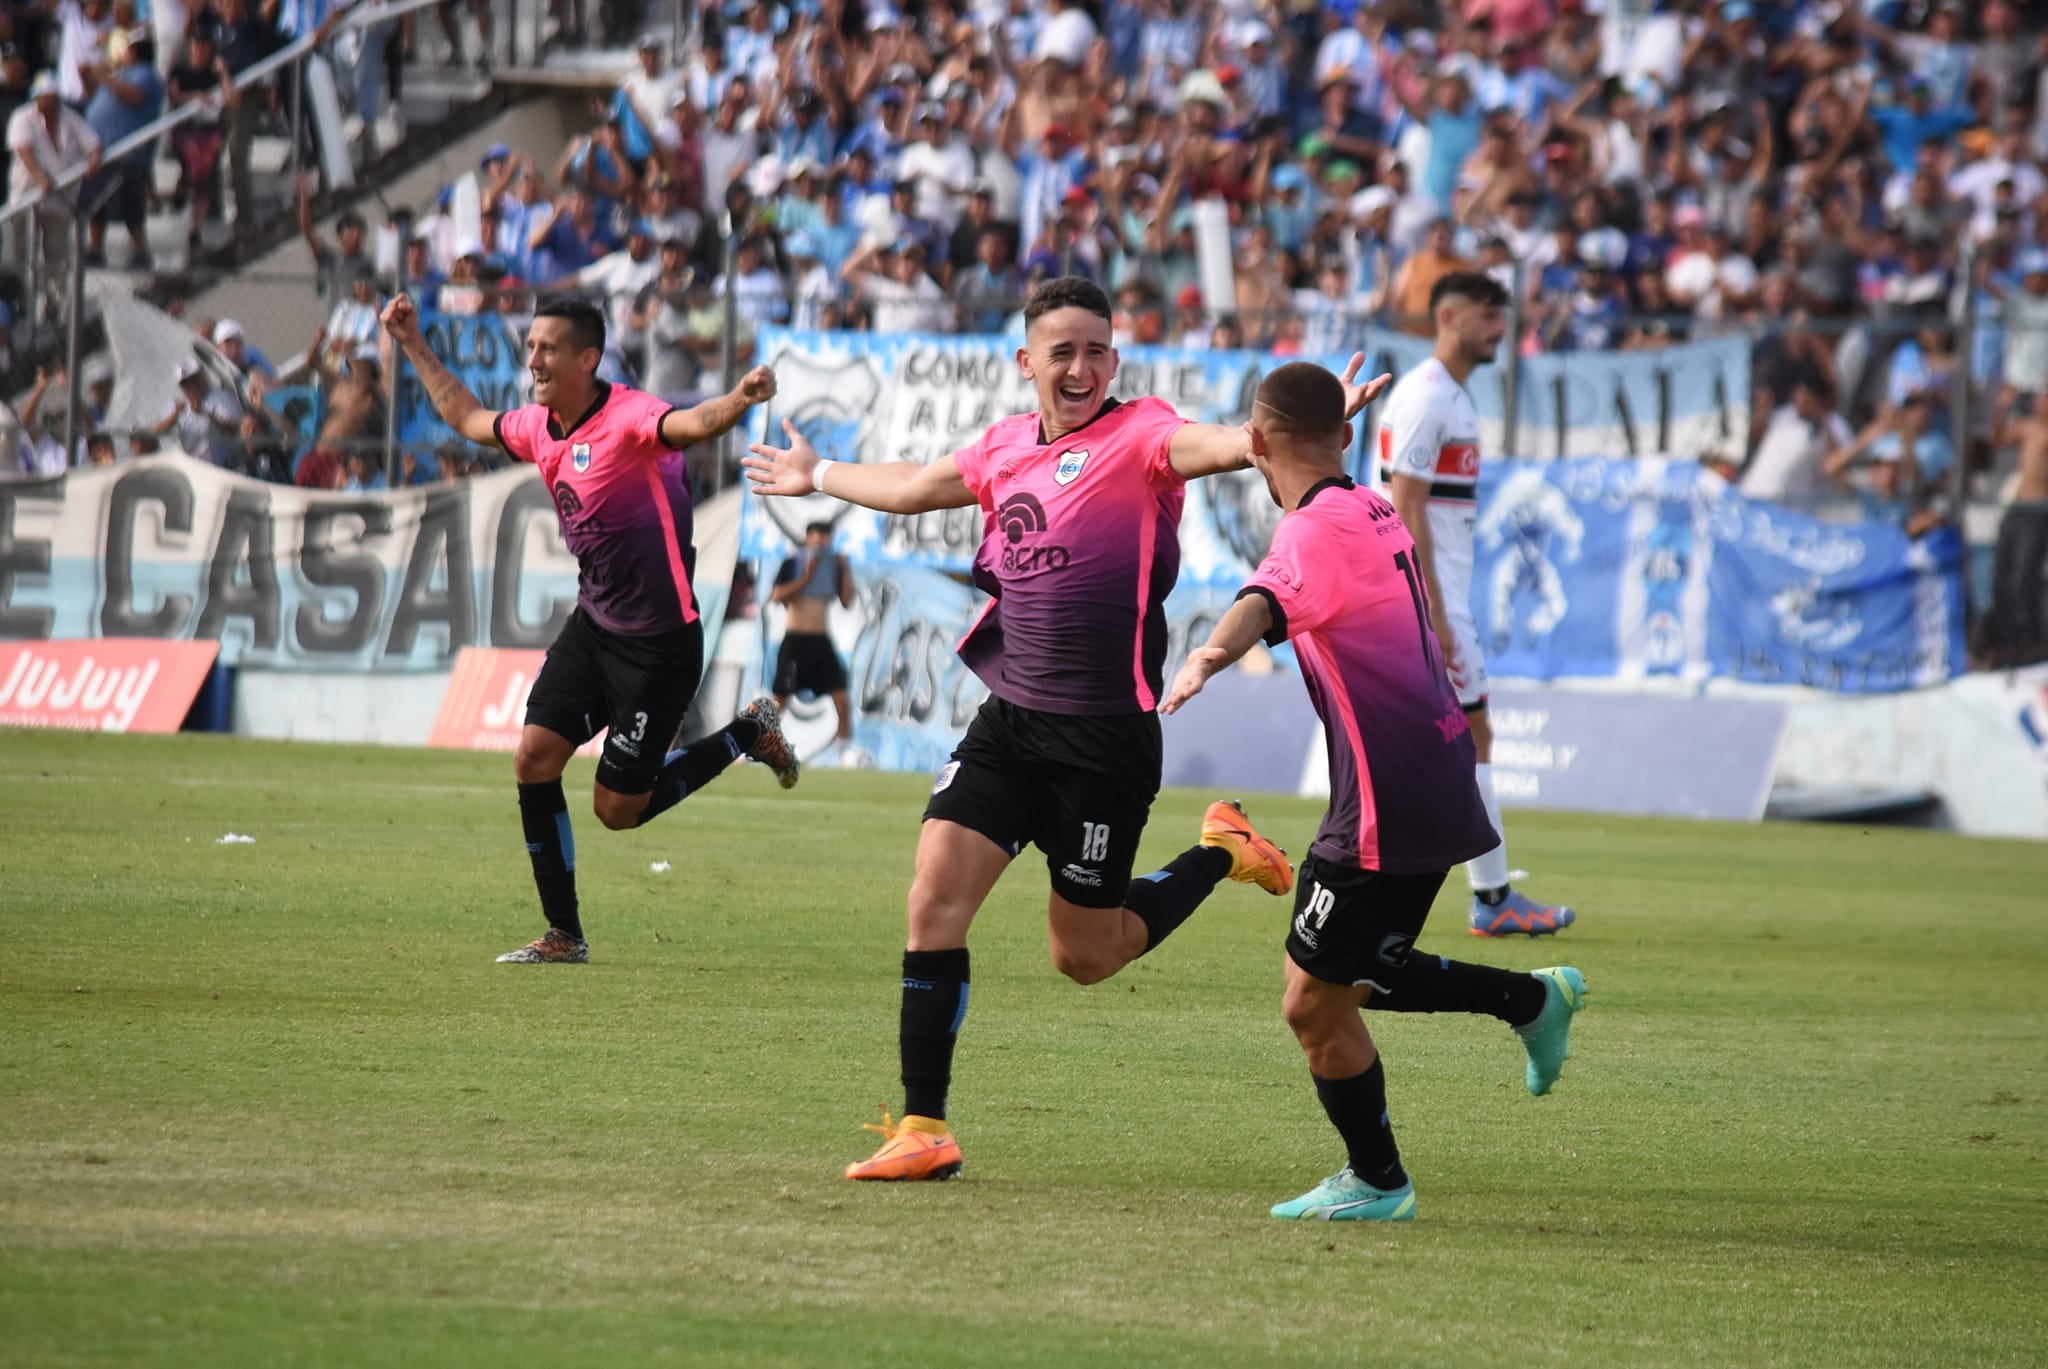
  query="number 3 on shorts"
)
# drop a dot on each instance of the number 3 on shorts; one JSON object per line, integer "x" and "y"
{"x": 1094, "y": 841}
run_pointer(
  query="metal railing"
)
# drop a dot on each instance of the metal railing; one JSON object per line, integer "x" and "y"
{"x": 69, "y": 187}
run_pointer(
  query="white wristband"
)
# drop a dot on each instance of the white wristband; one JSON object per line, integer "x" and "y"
{"x": 825, "y": 463}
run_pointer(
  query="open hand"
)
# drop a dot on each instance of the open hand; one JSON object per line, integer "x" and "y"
{"x": 1202, "y": 662}
{"x": 1357, "y": 396}
{"x": 782, "y": 470}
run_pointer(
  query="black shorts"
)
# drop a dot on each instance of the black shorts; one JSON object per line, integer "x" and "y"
{"x": 807, "y": 664}
{"x": 126, "y": 185}
{"x": 639, "y": 687}
{"x": 1079, "y": 787}
{"x": 1348, "y": 921}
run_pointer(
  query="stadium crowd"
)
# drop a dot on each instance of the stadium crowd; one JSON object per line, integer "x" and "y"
{"x": 1845, "y": 182}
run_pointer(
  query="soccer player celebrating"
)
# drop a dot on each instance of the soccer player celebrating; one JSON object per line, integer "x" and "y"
{"x": 1429, "y": 459}
{"x": 1341, "y": 583}
{"x": 806, "y": 585}
{"x": 1082, "y": 504}
{"x": 631, "y": 654}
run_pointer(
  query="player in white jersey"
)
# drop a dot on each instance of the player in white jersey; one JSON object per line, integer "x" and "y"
{"x": 1429, "y": 459}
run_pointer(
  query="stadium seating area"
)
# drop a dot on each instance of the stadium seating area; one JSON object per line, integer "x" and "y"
{"x": 1852, "y": 186}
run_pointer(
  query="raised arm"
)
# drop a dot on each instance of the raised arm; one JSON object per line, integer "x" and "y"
{"x": 716, "y": 417}
{"x": 890, "y": 486}
{"x": 1201, "y": 449}
{"x": 458, "y": 408}
{"x": 1242, "y": 628}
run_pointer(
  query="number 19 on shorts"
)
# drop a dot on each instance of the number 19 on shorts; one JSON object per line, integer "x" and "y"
{"x": 1315, "y": 911}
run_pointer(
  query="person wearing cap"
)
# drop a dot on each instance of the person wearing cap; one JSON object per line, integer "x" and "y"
{"x": 126, "y": 99}
{"x": 659, "y": 317}
{"x": 803, "y": 128}
{"x": 941, "y": 167}
{"x": 1263, "y": 86}
{"x": 1342, "y": 128}
{"x": 1904, "y": 128}
{"x": 796, "y": 208}
{"x": 234, "y": 345}
{"x": 208, "y": 422}
{"x": 50, "y": 142}
{"x": 597, "y": 161}
{"x": 728, "y": 146}
{"x": 647, "y": 93}
{"x": 1454, "y": 120}
{"x": 910, "y": 224}
{"x": 813, "y": 287}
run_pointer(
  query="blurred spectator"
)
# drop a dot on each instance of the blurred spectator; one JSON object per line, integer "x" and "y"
{"x": 990, "y": 289}
{"x": 893, "y": 279}
{"x": 339, "y": 264}
{"x": 201, "y": 78}
{"x": 127, "y": 97}
{"x": 83, "y": 29}
{"x": 1799, "y": 435}
{"x": 235, "y": 346}
{"x": 209, "y": 424}
{"x": 50, "y": 142}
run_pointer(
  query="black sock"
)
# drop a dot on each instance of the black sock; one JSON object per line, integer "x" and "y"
{"x": 696, "y": 765}
{"x": 1434, "y": 983}
{"x": 934, "y": 1005}
{"x": 1357, "y": 1107}
{"x": 1492, "y": 898}
{"x": 544, "y": 813}
{"x": 1164, "y": 899}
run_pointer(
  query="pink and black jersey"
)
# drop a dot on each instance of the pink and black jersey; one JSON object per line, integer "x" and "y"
{"x": 1080, "y": 547}
{"x": 1344, "y": 588}
{"x": 624, "y": 504}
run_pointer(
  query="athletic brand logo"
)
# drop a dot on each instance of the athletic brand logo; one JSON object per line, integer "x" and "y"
{"x": 1069, "y": 468}
{"x": 946, "y": 774}
{"x": 1082, "y": 875}
{"x": 1021, "y": 516}
{"x": 579, "y": 456}
{"x": 1394, "y": 948}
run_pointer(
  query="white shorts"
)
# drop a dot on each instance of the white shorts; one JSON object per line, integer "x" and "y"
{"x": 1467, "y": 665}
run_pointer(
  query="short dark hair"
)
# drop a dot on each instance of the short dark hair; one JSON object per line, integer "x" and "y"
{"x": 820, "y": 526}
{"x": 1065, "y": 292}
{"x": 586, "y": 321}
{"x": 1476, "y": 286}
{"x": 1302, "y": 399}
{"x": 351, "y": 219}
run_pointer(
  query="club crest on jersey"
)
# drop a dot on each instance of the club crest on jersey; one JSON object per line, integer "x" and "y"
{"x": 1069, "y": 469}
{"x": 579, "y": 456}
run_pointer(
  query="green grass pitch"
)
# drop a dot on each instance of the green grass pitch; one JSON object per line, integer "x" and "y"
{"x": 273, "y": 1104}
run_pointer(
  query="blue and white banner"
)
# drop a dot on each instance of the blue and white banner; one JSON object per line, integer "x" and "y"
{"x": 284, "y": 578}
{"x": 1620, "y": 568}
{"x": 911, "y": 397}
{"x": 483, "y": 352}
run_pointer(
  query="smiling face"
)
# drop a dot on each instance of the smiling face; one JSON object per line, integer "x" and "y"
{"x": 562, "y": 372}
{"x": 1068, "y": 358}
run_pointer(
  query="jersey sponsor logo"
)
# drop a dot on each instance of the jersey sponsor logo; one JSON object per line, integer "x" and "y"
{"x": 579, "y": 457}
{"x": 1454, "y": 724}
{"x": 1070, "y": 465}
{"x": 1458, "y": 460}
{"x": 1021, "y": 516}
{"x": 567, "y": 502}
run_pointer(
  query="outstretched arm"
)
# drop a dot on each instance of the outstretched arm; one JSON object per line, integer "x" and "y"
{"x": 458, "y": 408}
{"x": 890, "y": 486}
{"x": 1201, "y": 449}
{"x": 1243, "y": 627}
{"x": 716, "y": 417}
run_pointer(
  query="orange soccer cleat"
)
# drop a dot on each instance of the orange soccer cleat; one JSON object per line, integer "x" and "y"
{"x": 915, "y": 1148}
{"x": 1253, "y": 859}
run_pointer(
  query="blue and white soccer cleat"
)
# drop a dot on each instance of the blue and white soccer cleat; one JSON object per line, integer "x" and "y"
{"x": 1519, "y": 915}
{"x": 1344, "y": 1197}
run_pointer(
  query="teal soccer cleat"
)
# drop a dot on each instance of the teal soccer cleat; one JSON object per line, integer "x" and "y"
{"x": 1344, "y": 1197}
{"x": 1547, "y": 1038}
